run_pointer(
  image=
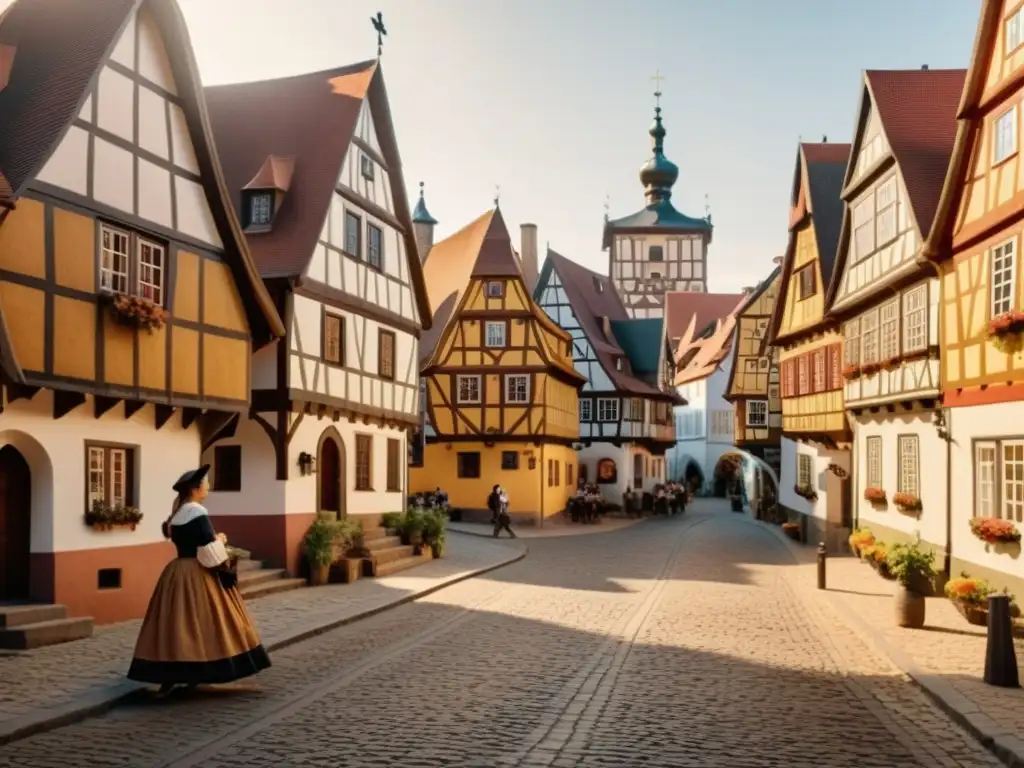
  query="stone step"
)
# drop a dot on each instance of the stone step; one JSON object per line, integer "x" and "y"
{"x": 373, "y": 533}
{"x": 394, "y": 566}
{"x": 19, "y": 615}
{"x": 252, "y": 576}
{"x": 390, "y": 554}
{"x": 249, "y": 565}
{"x": 265, "y": 588}
{"x": 384, "y": 542}
{"x": 42, "y": 633}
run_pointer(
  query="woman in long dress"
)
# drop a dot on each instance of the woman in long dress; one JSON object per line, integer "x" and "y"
{"x": 197, "y": 630}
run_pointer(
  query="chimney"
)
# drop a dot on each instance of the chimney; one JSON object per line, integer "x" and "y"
{"x": 924, "y": 67}
{"x": 528, "y": 254}
{"x": 423, "y": 227}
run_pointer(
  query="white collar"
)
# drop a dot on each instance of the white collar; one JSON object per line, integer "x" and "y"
{"x": 188, "y": 512}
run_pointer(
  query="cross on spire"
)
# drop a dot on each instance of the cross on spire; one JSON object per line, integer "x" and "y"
{"x": 378, "y": 25}
{"x": 657, "y": 80}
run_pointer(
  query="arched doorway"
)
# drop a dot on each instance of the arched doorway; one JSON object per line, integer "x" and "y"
{"x": 694, "y": 476}
{"x": 330, "y": 462}
{"x": 727, "y": 473}
{"x": 15, "y": 524}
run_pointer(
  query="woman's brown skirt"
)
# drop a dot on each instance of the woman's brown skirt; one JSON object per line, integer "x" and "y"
{"x": 196, "y": 631}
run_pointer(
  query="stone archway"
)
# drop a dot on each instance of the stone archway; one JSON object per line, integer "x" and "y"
{"x": 728, "y": 471}
{"x": 27, "y": 497}
{"x": 331, "y": 486}
{"x": 761, "y": 466}
{"x": 693, "y": 475}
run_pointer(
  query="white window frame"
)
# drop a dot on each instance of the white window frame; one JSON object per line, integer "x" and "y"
{"x": 468, "y": 399}
{"x": 1004, "y": 135}
{"x": 607, "y": 409}
{"x": 1013, "y": 33}
{"x": 261, "y": 207}
{"x": 998, "y": 488}
{"x": 869, "y": 341}
{"x": 499, "y": 340}
{"x": 804, "y": 471}
{"x": 889, "y": 330}
{"x": 112, "y": 278}
{"x": 915, "y": 319}
{"x": 986, "y": 462}
{"x": 495, "y": 289}
{"x": 512, "y": 382}
{"x": 851, "y": 342}
{"x": 886, "y": 211}
{"x": 863, "y": 217}
{"x": 873, "y": 477}
{"x": 803, "y": 376}
{"x": 908, "y": 462}
{"x": 127, "y": 248}
{"x": 97, "y": 469}
{"x": 586, "y": 408}
{"x": 757, "y": 413}
{"x": 97, "y": 475}
{"x": 1002, "y": 274}
{"x": 820, "y": 370}
{"x": 151, "y": 275}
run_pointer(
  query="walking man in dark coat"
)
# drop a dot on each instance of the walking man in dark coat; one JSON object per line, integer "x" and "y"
{"x": 497, "y": 502}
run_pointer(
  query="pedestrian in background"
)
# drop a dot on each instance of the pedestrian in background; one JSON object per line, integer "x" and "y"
{"x": 503, "y": 521}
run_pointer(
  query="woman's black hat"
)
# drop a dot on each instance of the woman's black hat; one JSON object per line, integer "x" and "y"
{"x": 191, "y": 479}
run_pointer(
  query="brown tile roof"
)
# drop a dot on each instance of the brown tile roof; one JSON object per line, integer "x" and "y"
{"x": 59, "y": 49}
{"x": 918, "y": 112}
{"x": 969, "y": 124}
{"x": 687, "y": 312}
{"x": 590, "y": 306}
{"x": 700, "y": 350}
{"x": 312, "y": 119}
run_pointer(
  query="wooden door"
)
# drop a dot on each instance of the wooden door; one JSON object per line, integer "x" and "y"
{"x": 329, "y": 469}
{"x": 15, "y": 519}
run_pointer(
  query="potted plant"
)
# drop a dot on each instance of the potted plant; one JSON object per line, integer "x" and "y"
{"x": 391, "y": 520}
{"x": 995, "y": 530}
{"x": 970, "y": 597}
{"x": 1006, "y": 332}
{"x": 434, "y": 525}
{"x": 851, "y": 372}
{"x": 912, "y": 568}
{"x": 103, "y": 517}
{"x": 792, "y": 530}
{"x": 875, "y": 495}
{"x": 136, "y": 312}
{"x": 907, "y": 502}
{"x": 318, "y": 545}
{"x": 412, "y": 528}
{"x": 859, "y": 540}
{"x": 877, "y": 556}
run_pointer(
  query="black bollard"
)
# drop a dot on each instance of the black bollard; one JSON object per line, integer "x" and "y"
{"x": 822, "y": 558}
{"x": 1000, "y": 656}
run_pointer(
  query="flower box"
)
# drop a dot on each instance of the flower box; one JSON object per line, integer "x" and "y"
{"x": 875, "y": 495}
{"x": 907, "y": 502}
{"x": 891, "y": 363}
{"x": 135, "y": 311}
{"x": 806, "y": 492}
{"x": 792, "y": 530}
{"x": 870, "y": 369}
{"x": 104, "y": 517}
{"x": 994, "y": 530}
{"x": 838, "y": 471}
{"x": 1006, "y": 332}
{"x": 851, "y": 372}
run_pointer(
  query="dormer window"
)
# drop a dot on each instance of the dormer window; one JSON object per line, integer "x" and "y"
{"x": 495, "y": 289}
{"x": 366, "y": 167}
{"x": 261, "y": 209}
{"x": 598, "y": 285}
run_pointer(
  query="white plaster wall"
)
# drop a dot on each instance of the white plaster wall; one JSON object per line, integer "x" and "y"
{"x": 623, "y": 458}
{"x": 678, "y": 458}
{"x": 820, "y": 461}
{"x": 932, "y": 468}
{"x": 55, "y": 452}
{"x": 300, "y": 495}
{"x": 683, "y": 268}
{"x": 264, "y": 366}
{"x": 967, "y": 425}
{"x": 262, "y": 493}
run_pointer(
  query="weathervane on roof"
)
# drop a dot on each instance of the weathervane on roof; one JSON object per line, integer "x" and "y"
{"x": 378, "y": 25}
{"x": 497, "y": 194}
{"x": 657, "y": 88}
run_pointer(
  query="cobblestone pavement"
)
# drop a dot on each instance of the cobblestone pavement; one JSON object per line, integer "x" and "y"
{"x": 676, "y": 642}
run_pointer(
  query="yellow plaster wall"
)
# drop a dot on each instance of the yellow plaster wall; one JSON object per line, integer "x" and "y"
{"x": 74, "y": 245}
{"x": 222, "y": 303}
{"x": 799, "y": 314}
{"x": 24, "y": 311}
{"x": 22, "y": 239}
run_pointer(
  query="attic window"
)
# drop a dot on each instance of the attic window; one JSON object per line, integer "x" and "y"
{"x": 495, "y": 289}
{"x": 366, "y": 167}
{"x": 598, "y": 285}
{"x": 656, "y": 253}
{"x": 261, "y": 209}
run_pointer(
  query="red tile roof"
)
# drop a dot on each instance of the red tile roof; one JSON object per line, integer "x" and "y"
{"x": 683, "y": 308}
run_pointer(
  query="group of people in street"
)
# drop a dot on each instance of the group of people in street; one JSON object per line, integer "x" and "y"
{"x": 668, "y": 498}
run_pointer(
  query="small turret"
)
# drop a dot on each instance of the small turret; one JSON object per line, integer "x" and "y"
{"x": 423, "y": 226}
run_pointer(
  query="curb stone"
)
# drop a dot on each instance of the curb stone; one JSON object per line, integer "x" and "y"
{"x": 99, "y": 701}
{"x": 1008, "y": 747}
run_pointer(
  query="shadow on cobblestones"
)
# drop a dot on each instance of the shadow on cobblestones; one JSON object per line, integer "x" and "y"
{"x": 675, "y": 645}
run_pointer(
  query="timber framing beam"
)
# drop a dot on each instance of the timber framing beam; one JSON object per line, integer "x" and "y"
{"x": 102, "y": 405}
{"x": 65, "y": 402}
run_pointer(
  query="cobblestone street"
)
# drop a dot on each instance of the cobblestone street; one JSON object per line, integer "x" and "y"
{"x": 675, "y": 642}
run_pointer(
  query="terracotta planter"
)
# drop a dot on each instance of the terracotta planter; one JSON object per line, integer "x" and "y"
{"x": 437, "y": 550}
{"x": 978, "y": 614}
{"x": 910, "y": 607}
{"x": 319, "y": 574}
{"x": 792, "y": 532}
{"x": 347, "y": 570}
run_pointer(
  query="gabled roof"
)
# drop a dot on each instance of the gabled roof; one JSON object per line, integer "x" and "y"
{"x": 59, "y": 48}
{"x": 969, "y": 119}
{"x": 700, "y": 351}
{"x": 917, "y": 111}
{"x": 688, "y": 313}
{"x": 591, "y": 307}
{"x": 754, "y": 296}
{"x": 312, "y": 119}
{"x": 820, "y": 170}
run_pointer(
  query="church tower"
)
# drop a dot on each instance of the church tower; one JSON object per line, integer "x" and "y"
{"x": 656, "y": 249}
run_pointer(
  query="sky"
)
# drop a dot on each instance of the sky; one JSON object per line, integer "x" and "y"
{"x": 551, "y": 100}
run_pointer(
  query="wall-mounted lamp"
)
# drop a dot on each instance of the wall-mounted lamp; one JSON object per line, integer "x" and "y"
{"x": 307, "y": 464}
{"x": 941, "y": 428}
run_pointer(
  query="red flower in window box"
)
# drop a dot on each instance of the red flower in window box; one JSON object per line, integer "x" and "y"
{"x": 995, "y": 530}
{"x": 1006, "y": 331}
{"x": 806, "y": 492}
{"x": 103, "y": 516}
{"x": 907, "y": 502}
{"x": 875, "y": 495}
{"x": 891, "y": 363}
{"x": 135, "y": 311}
{"x": 851, "y": 372}
{"x": 869, "y": 369}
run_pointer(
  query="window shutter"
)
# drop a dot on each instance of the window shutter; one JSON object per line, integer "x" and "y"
{"x": 783, "y": 370}
{"x": 787, "y": 370}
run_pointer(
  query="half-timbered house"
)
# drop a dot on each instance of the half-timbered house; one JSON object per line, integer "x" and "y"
{"x": 816, "y": 436}
{"x": 656, "y": 249}
{"x": 501, "y": 400}
{"x": 888, "y": 302}
{"x": 753, "y": 381}
{"x": 626, "y": 404}
{"x": 976, "y": 243}
{"x": 314, "y": 172}
{"x": 129, "y": 304}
